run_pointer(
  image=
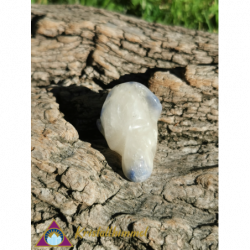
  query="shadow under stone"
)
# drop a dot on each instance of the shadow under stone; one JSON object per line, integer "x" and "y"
{"x": 82, "y": 107}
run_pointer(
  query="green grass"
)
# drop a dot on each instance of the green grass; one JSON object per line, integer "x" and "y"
{"x": 194, "y": 14}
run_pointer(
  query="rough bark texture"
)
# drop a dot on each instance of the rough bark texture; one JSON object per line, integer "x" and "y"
{"x": 78, "y": 55}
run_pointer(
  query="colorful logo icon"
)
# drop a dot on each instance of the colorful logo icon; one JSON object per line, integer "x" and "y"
{"x": 54, "y": 237}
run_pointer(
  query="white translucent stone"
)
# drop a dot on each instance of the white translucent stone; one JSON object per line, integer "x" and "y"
{"x": 129, "y": 123}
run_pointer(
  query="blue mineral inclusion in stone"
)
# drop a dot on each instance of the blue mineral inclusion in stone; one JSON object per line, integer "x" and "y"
{"x": 139, "y": 171}
{"x": 138, "y": 176}
{"x": 131, "y": 175}
{"x": 154, "y": 104}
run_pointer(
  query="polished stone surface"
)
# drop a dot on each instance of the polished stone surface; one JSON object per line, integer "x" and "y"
{"x": 129, "y": 123}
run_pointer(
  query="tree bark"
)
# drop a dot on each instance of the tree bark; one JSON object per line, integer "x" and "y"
{"x": 78, "y": 54}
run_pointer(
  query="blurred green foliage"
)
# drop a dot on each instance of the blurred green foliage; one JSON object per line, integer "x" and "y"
{"x": 194, "y": 14}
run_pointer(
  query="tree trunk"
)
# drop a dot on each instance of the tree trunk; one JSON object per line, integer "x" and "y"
{"x": 78, "y": 54}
